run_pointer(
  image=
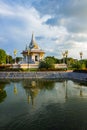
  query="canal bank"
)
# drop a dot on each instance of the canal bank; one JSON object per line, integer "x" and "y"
{"x": 44, "y": 75}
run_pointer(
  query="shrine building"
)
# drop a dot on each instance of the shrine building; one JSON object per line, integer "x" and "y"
{"x": 32, "y": 54}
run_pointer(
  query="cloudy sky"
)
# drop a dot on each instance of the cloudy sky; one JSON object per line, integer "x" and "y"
{"x": 58, "y": 25}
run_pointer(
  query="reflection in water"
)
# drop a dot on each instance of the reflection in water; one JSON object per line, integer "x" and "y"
{"x": 68, "y": 90}
{"x": 3, "y": 93}
{"x": 33, "y": 83}
{"x": 72, "y": 89}
{"x": 65, "y": 85}
{"x": 15, "y": 89}
{"x": 29, "y": 98}
{"x": 81, "y": 91}
{"x": 33, "y": 87}
{"x": 31, "y": 92}
{"x": 57, "y": 105}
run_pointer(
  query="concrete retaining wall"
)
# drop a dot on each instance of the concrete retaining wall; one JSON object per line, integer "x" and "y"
{"x": 44, "y": 75}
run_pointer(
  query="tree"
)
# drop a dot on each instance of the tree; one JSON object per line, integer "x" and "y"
{"x": 85, "y": 62}
{"x": 47, "y": 63}
{"x": 18, "y": 59}
{"x": 2, "y": 56}
{"x": 76, "y": 65}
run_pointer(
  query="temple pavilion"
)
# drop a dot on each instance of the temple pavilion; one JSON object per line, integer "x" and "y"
{"x": 32, "y": 54}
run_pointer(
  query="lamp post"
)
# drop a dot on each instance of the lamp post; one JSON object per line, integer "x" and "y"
{"x": 66, "y": 54}
{"x": 81, "y": 54}
{"x": 28, "y": 57}
{"x": 15, "y": 52}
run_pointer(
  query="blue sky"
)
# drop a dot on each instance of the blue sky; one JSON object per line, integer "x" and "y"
{"x": 58, "y": 25}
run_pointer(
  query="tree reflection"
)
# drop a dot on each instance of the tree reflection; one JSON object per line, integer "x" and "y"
{"x": 46, "y": 85}
{"x": 41, "y": 84}
{"x": 3, "y": 93}
{"x": 66, "y": 89}
{"x": 81, "y": 94}
{"x": 31, "y": 92}
{"x": 15, "y": 89}
{"x": 82, "y": 87}
{"x": 33, "y": 87}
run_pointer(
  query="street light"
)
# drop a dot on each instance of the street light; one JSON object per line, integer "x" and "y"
{"x": 81, "y": 54}
{"x": 28, "y": 57}
{"x": 15, "y": 52}
{"x": 66, "y": 54}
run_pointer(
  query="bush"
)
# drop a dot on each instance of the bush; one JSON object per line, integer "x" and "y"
{"x": 76, "y": 65}
{"x": 46, "y": 64}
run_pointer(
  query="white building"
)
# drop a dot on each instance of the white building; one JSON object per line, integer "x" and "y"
{"x": 32, "y": 55}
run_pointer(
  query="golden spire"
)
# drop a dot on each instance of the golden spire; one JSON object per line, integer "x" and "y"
{"x": 32, "y": 36}
{"x": 33, "y": 43}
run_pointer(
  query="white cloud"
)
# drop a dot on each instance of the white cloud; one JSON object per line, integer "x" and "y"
{"x": 5, "y": 10}
{"x": 19, "y": 21}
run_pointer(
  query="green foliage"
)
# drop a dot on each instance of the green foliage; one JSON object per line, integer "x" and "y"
{"x": 76, "y": 65}
{"x": 3, "y": 94}
{"x": 42, "y": 64}
{"x": 85, "y": 62}
{"x": 2, "y": 56}
{"x": 18, "y": 59}
{"x": 47, "y": 63}
{"x": 54, "y": 60}
{"x": 79, "y": 65}
{"x": 83, "y": 66}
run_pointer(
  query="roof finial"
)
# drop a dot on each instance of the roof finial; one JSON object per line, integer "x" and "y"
{"x": 32, "y": 35}
{"x": 26, "y": 47}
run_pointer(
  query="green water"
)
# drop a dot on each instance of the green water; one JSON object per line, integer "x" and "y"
{"x": 43, "y": 105}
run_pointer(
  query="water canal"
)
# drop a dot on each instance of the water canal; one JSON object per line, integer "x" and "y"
{"x": 43, "y": 105}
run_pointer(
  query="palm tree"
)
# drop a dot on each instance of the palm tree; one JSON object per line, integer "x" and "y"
{"x": 66, "y": 53}
{"x": 81, "y": 54}
{"x": 63, "y": 54}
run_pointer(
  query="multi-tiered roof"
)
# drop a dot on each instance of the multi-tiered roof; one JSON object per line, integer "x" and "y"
{"x": 33, "y": 47}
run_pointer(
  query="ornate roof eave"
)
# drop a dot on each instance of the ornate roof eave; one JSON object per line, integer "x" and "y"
{"x": 24, "y": 52}
{"x": 33, "y": 51}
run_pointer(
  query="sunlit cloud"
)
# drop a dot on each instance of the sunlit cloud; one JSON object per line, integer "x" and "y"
{"x": 56, "y": 29}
